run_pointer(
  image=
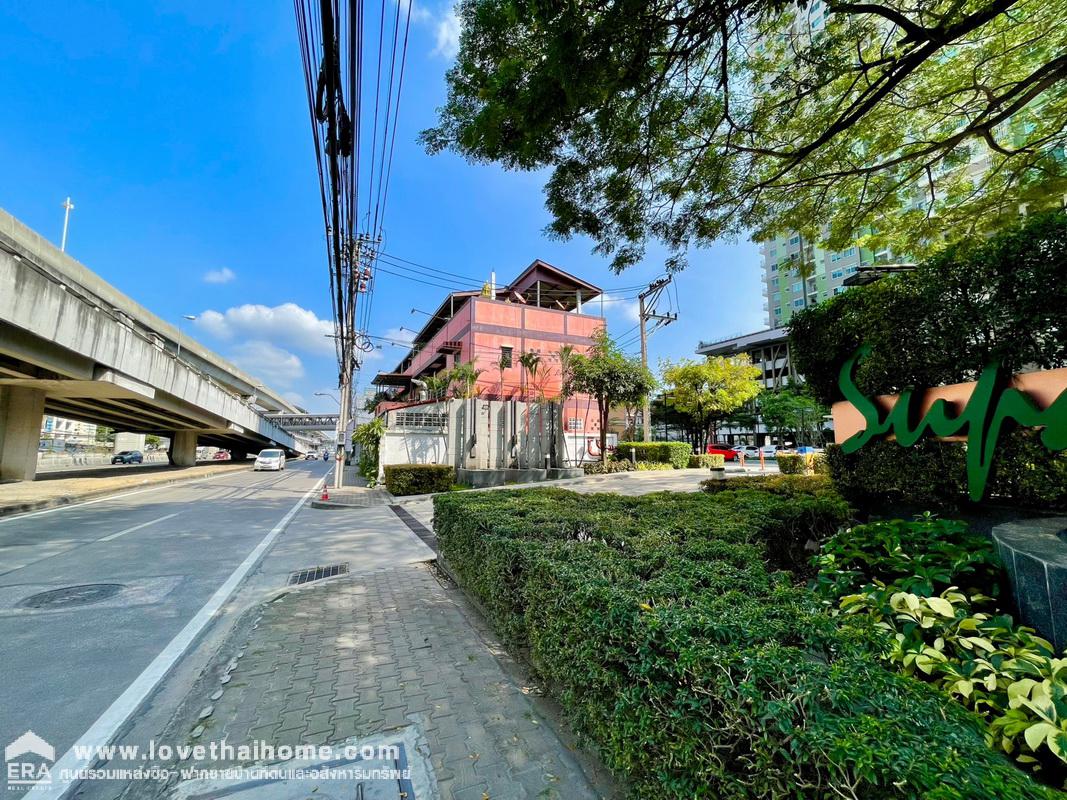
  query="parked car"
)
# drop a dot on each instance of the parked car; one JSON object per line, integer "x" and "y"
{"x": 311, "y": 457}
{"x": 724, "y": 450}
{"x": 748, "y": 451}
{"x": 128, "y": 457}
{"x": 770, "y": 450}
{"x": 221, "y": 455}
{"x": 269, "y": 459}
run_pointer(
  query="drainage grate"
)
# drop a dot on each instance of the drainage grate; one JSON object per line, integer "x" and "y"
{"x": 317, "y": 574}
{"x": 70, "y": 596}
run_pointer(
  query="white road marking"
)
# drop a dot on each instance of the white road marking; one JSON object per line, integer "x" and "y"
{"x": 105, "y": 499}
{"x": 135, "y": 528}
{"x": 107, "y": 725}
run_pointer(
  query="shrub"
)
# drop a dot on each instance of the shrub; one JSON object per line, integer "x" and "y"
{"x": 653, "y": 466}
{"x": 785, "y": 485}
{"x": 903, "y": 577}
{"x": 707, "y": 461}
{"x": 696, "y": 669}
{"x": 403, "y": 479}
{"x": 790, "y": 464}
{"x": 674, "y": 453}
{"x": 607, "y": 467}
{"x": 820, "y": 464}
{"x": 933, "y": 474}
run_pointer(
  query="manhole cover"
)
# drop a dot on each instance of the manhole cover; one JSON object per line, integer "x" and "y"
{"x": 70, "y": 596}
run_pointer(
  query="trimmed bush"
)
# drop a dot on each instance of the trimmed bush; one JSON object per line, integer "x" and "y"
{"x": 653, "y": 466}
{"x": 608, "y": 467}
{"x": 789, "y": 464}
{"x": 707, "y": 461}
{"x": 402, "y": 479}
{"x": 674, "y": 453}
{"x": 663, "y": 630}
{"x": 820, "y": 464}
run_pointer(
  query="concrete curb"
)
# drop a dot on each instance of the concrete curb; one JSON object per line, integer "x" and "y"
{"x": 73, "y": 499}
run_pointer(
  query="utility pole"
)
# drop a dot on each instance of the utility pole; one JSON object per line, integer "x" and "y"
{"x": 646, "y": 311}
{"x": 66, "y": 221}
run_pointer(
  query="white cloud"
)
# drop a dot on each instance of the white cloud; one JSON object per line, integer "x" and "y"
{"x": 405, "y": 335}
{"x": 625, "y": 308}
{"x": 224, "y": 275}
{"x": 448, "y": 29}
{"x": 275, "y": 366}
{"x": 287, "y": 325}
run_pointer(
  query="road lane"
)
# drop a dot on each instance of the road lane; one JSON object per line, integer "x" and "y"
{"x": 171, "y": 549}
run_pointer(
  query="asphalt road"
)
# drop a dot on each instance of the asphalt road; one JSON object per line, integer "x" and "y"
{"x": 169, "y": 549}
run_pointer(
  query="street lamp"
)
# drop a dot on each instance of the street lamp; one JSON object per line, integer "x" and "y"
{"x": 191, "y": 318}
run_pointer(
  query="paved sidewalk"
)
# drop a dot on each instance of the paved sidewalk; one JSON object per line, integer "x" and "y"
{"x": 391, "y": 649}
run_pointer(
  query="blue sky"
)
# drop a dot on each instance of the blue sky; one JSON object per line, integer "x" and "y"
{"x": 180, "y": 131}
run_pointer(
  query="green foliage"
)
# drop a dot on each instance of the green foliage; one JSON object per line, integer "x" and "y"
{"x": 975, "y": 303}
{"x": 784, "y": 485}
{"x": 653, "y": 466}
{"x": 794, "y": 411}
{"x": 404, "y": 479}
{"x": 674, "y": 453}
{"x": 791, "y": 464}
{"x": 903, "y": 577}
{"x": 707, "y": 391}
{"x": 933, "y": 474}
{"x": 368, "y": 436}
{"x": 610, "y": 377}
{"x": 707, "y": 461}
{"x": 925, "y": 556}
{"x": 686, "y": 122}
{"x": 820, "y": 464}
{"x": 608, "y": 467}
{"x": 661, "y": 627}
{"x": 463, "y": 377}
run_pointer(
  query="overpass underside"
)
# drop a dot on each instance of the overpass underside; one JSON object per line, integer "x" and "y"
{"x": 75, "y": 388}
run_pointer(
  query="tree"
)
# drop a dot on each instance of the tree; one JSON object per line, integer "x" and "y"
{"x": 706, "y": 391}
{"x": 436, "y": 385}
{"x": 152, "y": 441}
{"x": 465, "y": 374}
{"x": 646, "y": 116}
{"x": 793, "y": 410}
{"x": 611, "y": 378}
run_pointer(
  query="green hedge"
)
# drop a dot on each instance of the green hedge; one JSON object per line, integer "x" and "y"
{"x": 402, "y": 479}
{"x": 674, "y": 453}
{"x": 661, "y": 626}
{"x": 933, "y": 474}
{"x": 790, "y": 464}
{"x": 707, "y": 461}
{"x": 608, "y": 467}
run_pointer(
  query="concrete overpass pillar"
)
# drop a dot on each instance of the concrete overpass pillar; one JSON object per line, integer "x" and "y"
{"x": 182, "y": 452}
{"x": 21, "y": 411}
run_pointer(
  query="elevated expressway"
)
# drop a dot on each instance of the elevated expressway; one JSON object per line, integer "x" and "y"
{"x": 74, "y": 346}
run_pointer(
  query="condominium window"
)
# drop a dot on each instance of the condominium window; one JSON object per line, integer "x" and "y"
{"x": 837, "y": 273}
{"x": 851, "y": 270}
{"x": 839, "y": 289}
{"x": 505, "y": 357}
{"x": 777, "y": 312}
{"x": 777, "y": 296}
{"x": 795, "y": 287}
{"x": 774, "y": 267}
{"x": 774, "y": 281}
{"x": 794, "y": 240}
{"x": 798, "y": 303}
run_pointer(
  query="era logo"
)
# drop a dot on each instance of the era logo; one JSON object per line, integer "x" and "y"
{"x": 22, "y": 771}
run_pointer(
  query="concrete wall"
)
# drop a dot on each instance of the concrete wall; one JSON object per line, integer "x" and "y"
{"x": 485, "y": 434}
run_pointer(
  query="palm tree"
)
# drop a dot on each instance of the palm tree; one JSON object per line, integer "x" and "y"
{"x": 466, "y": 375}
{"x": 531, "y": 363}
{"x": 436, "y": 385}
{"x": 565, "y": 356}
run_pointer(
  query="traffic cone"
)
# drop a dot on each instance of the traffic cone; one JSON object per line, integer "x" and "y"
{"x": 325, "y": 493}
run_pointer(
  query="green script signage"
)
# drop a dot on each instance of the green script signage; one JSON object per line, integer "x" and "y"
{"x": 991, "y": 406}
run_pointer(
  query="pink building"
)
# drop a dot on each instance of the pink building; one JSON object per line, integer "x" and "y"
{"x": 539, "y": 312}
